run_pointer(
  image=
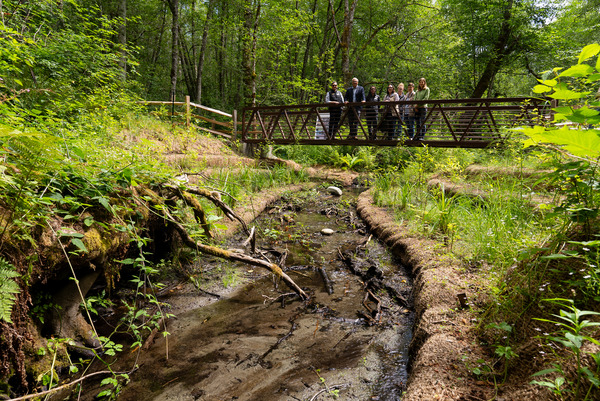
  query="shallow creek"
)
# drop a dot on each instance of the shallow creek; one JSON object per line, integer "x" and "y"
{"x": 254, "y": 344}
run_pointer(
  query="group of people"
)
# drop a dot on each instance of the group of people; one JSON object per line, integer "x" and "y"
{"x": 395, "y": 118}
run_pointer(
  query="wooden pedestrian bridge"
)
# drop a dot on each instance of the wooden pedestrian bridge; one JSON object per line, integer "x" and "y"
{"x": 455, "y": 123}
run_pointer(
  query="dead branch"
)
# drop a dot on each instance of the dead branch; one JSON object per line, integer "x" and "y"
{"x": 67, "y": 385}
{"x": 326, "y": 280}
{"x": 230, "y": 255}
{"x": 251, "y": 240}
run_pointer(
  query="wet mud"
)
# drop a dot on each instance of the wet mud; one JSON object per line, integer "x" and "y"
{"x": 261, "y": 342}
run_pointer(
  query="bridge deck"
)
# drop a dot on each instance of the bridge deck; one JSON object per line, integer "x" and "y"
{"x": 468, "y": 123}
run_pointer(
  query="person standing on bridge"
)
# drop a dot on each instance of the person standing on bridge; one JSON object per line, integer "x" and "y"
{"x": 421, "y": 109}
{"x": 335, "y": 99}
{"x": 391, "y": 117}
{"x": 408, "y": 111}
{"x": 399, "y": 109}
{"x": 354, "y": 94}
{"x": 372, "y": 111}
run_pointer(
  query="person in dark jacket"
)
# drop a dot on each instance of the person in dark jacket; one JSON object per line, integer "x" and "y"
{"x": 372, "y": 112}
{"x": 335, "y": 99}
{"x": 354, "y": 94}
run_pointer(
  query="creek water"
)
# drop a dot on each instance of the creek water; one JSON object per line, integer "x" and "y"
{"x": 257, "y": 344}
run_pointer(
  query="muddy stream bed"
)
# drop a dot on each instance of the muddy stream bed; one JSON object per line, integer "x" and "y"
{"x": 261, "y": 342}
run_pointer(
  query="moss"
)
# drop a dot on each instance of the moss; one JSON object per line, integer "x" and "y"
{"x": 40, "y": 358}
{"x": 97, "y": 244}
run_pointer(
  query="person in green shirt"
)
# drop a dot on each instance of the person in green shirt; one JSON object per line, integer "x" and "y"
{"x": 421, "y": 109}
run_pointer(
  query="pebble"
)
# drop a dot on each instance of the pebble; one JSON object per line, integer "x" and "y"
{"x": 327, "y": 231}
{"x": 334, "y": 191}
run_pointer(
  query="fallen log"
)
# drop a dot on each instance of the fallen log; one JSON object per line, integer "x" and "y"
{"x": 230, "y": 255}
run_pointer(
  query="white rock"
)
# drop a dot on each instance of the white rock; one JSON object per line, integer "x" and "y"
{"x": 334, "y": 191}
{"x": 327, "y": 231}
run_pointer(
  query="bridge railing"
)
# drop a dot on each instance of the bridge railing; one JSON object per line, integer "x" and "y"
{"x": 474, "y": 123}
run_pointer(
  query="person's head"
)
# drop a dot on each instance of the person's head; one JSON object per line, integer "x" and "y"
{"x": 390, "y": 89}
{"x": 372, "y": 90}
{"x": 334, "y": 86}
{"x": 422, "y": 83}
{"x": 400, "y": 87}
{"x": 354, "y": 82}
{"x": 410, "y": 87}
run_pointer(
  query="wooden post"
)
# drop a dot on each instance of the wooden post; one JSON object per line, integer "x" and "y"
{"x": 234, "y": 133}
{"x": 187, "y": 112}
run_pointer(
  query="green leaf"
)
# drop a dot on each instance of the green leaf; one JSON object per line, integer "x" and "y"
{"x": 584, "y": 143}
{"x": 588, "y": 51}
{"x": 72, "y": 234}
{"x": 104, "y": 202}
{"x": 548, "y": 82}
{"x": 79, "y": 244}
{"x": 593, "y": 77}
{"x": 555, "y": 256}
{"x": 563, "y": 109}
{"x": 576, "y": 340}
{"x": 579, "y": 70}
{"x": 541, "y": 89}
{"x": 567, "y": 94}
{"x": 593, "y": 244}
{"x": 8, "y": 289}
{"x": 544, "y": 372}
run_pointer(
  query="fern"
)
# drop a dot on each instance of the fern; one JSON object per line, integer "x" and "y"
{"x": 8, "y": 289}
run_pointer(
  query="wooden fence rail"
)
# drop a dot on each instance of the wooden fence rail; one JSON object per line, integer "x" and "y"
{"x": 468, "y": 123}
{"x": 192, "y": 111}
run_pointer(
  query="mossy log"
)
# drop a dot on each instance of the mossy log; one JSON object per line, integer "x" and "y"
{"x": 237, "y": 256}
{"x": 216, "y": 200}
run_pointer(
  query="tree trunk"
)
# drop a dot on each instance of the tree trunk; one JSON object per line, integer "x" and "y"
{"x": 346, "y": 38}
{"x": 156, "y": 51}
{"x": 174, "y": 6}
{"x": 502, "y": 49}
{"x": 198, "y": 91}
{"x": 251, "y": 18}
{"x": 187, "y": 66}
{"x": 307, "y": 52}
{"x": 123, "y": 38}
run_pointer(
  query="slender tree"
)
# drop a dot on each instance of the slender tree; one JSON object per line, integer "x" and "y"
{"x": 123, "y": 38}
{"x": 174, "y": 6}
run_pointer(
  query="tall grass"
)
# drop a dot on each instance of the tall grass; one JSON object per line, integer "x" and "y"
{"x": 493, "y": 230}
{"x": 247, "y": 180}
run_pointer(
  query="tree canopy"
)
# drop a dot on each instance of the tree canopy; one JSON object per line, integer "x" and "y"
{"x": 221, "y": 52}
